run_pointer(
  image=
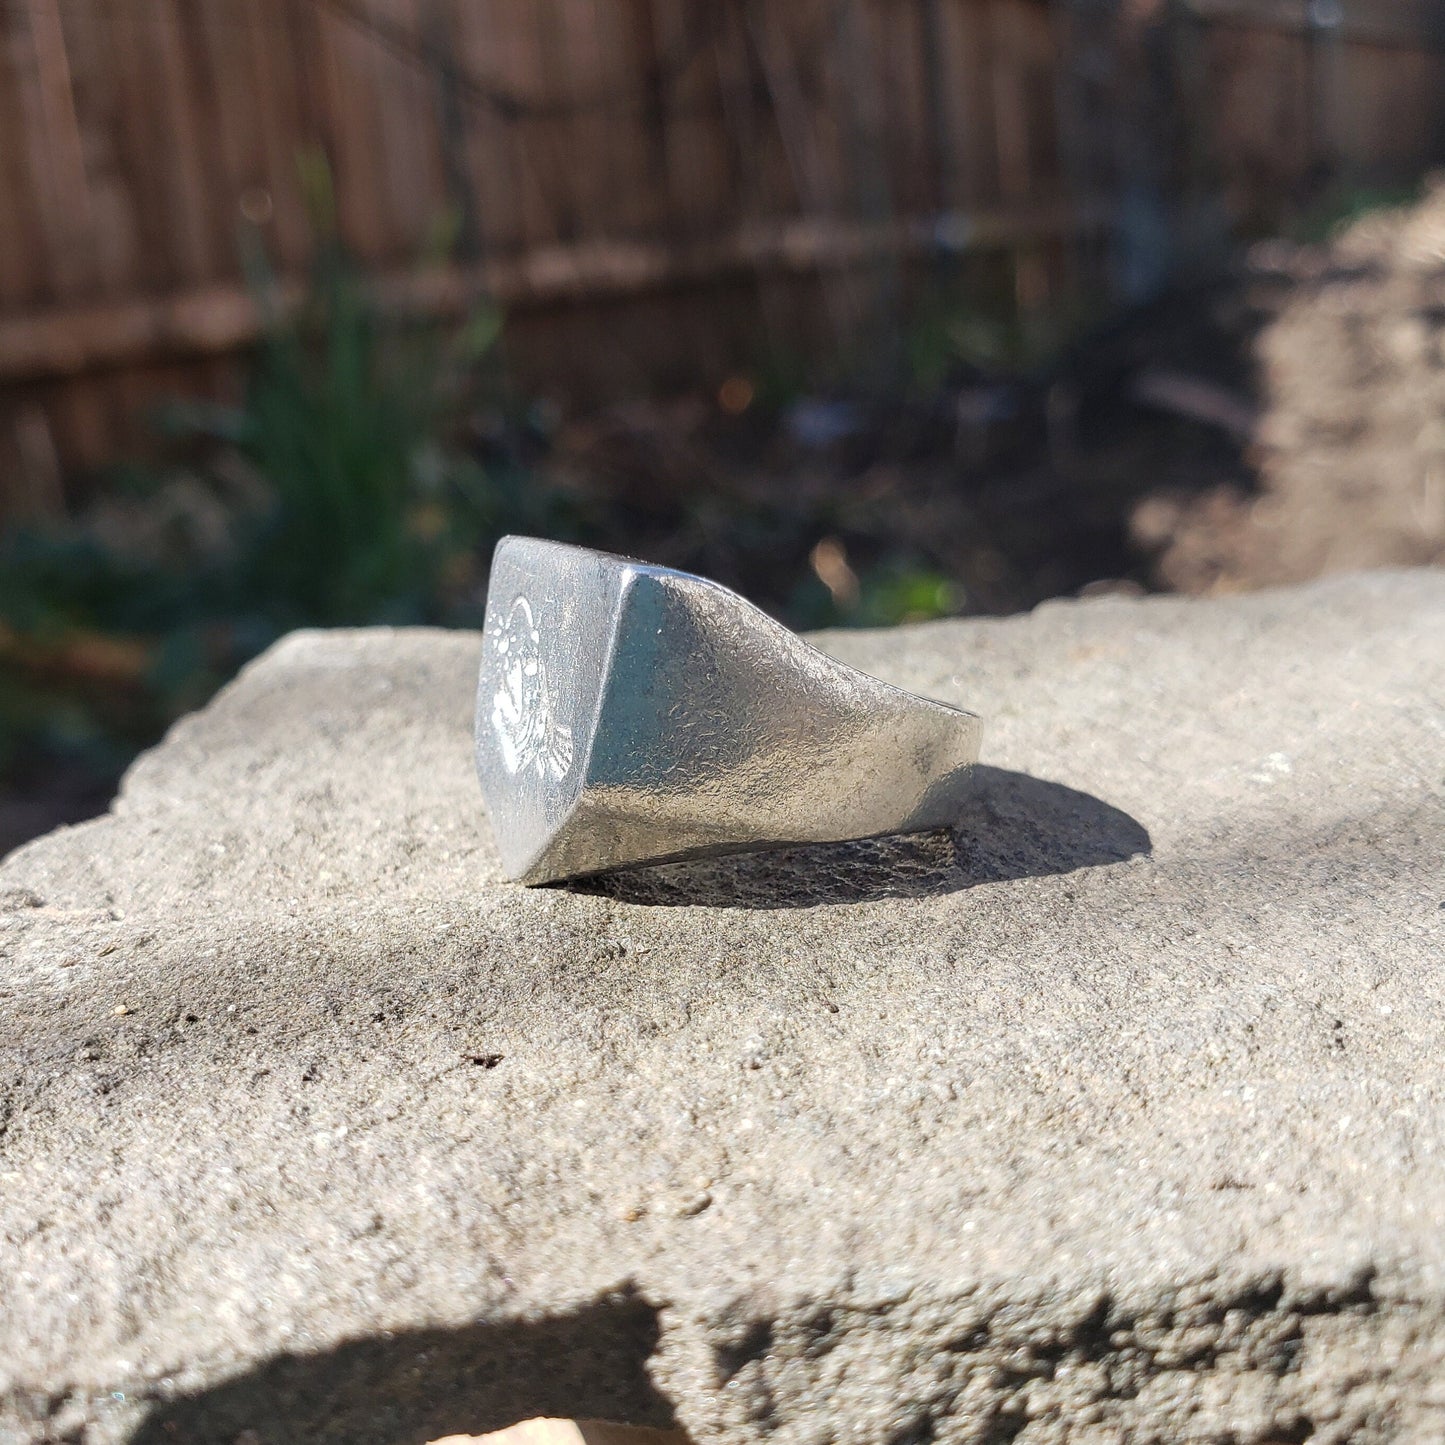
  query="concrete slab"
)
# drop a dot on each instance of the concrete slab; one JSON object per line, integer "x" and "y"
{"x": 1117, "y": 1115}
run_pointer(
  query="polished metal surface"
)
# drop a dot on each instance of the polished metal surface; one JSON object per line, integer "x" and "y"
{"x": 632, "y": 714}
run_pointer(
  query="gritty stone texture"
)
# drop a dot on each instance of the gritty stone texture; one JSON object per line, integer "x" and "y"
{"x": 1117, "y": 1116}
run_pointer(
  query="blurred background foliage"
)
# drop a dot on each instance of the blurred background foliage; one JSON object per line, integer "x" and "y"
{"x": 341, "y": 491}
{"x": 374, "y": 459}
{"x": 875, "y": 310}
{"x": 363, "y": 479}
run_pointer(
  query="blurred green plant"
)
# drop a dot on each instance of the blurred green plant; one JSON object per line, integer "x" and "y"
{"x": 345, "y": 489}
{"x": 896, "y": 588}
{"x": 896, "y": 592}
{"x": 1341, "y": 204}
{"x": 368, "y": 509}
{"x": 951, "y": 334}
{"x": 969, "y": 323}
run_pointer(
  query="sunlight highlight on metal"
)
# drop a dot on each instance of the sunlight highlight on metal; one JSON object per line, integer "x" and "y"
{"x": 631, "y": 714}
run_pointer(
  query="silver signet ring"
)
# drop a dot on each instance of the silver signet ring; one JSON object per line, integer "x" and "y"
{"x": 634, "y": 714}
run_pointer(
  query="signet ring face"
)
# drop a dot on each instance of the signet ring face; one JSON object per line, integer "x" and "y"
{"x": 630, "y": 714}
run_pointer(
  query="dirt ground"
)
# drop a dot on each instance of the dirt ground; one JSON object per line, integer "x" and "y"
{"x": 1348, "y": 450}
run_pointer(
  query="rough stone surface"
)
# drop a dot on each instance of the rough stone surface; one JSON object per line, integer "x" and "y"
{"x": 1117, "y": 1116}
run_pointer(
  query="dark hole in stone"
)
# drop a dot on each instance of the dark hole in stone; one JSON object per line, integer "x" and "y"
{"x": 754, "y": 1344}
{"x": 1005, "y": 1426}
{"x": 1296, "y": 1432}
{"x": 918, "y": 1432}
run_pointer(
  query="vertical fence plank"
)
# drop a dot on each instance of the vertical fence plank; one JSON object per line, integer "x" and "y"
{"x": 971, "y": 38}
{"x": 235, "y": 118}
{"x": 114, "y": 233}
{"x": 346, "y": 58}
{"x": 57, "y": 158}
{"x": 196, "y": 186}
{"x": 1010, "y": 106}
{"x": 522, "y": 79}
{"x": 405, "y": 84}
{"x": 906, "y": 119}
{"x": 587, "y": 76}
{"x": 22, "y": 252}
{"x": 274, "y": 67}
{"x": 1380, "y": 92}
{"x": 1257, "y": 88}
{"x": 637, "y": 159}
{"x": 138, "y": 139}
{"x": 488, "y": 149}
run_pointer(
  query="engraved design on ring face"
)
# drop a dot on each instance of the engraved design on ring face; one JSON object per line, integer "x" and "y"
{"x": 528, "y": 732}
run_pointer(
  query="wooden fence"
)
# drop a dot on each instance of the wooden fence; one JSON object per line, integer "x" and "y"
{"x": 583, "y": 157}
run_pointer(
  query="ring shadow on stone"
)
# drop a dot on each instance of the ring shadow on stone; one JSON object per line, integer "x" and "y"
{"x": 1014, "y": 826}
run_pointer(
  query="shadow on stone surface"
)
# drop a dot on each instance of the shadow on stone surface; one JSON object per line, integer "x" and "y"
{"x": 421, "y": 1385}
{"x": 1015, "y": 826}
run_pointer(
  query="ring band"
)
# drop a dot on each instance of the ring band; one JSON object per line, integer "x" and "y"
{"x": 629, "y": 714}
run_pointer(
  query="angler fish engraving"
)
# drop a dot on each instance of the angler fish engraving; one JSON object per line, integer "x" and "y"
{"x": 528, "y": 732}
